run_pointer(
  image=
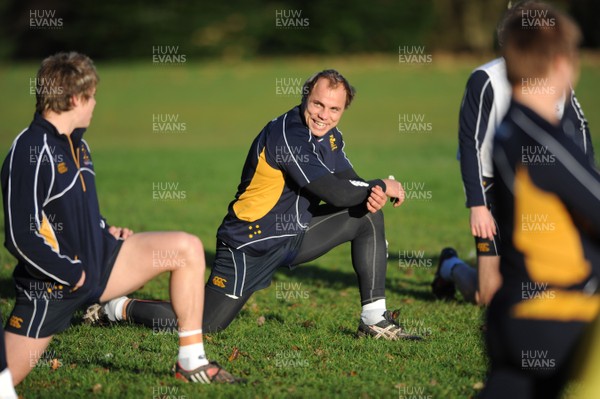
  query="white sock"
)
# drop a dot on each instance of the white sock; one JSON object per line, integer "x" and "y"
{"x": 114, "y": 308}
{"x": 7, "y": 390}
{"x": 192, "y": 356}
{"x": 372, "y": 313}
{"x": 447, "y": 266}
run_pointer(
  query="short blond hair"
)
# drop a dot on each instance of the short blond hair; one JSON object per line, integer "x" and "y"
{"x": 62, "y": 76}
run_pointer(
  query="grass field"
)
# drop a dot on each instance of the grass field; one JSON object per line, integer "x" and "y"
{"x": 294, "y": 339}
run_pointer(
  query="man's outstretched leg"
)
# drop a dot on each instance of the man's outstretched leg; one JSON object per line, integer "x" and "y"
{"x": 134, "y": 267}
{"x": 329, "y": 228}
{"x": 219, "y": 312}
{"x": 366, "y": 233}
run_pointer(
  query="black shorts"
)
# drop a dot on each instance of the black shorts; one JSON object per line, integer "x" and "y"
{"x": 46, "y": 308}
{"x": 236, "y": 273}
{"x": 484, "y": 246}
{"x": 528, "y": 357}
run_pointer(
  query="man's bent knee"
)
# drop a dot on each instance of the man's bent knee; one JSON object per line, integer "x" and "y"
{"x": 376, "y": 218}
{"x": 374, "y": 222}
{"x": 192, "y": 249}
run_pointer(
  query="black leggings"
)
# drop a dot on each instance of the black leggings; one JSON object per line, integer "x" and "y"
{"x": 328, "y": 228}
{"x": 365, "y": 231}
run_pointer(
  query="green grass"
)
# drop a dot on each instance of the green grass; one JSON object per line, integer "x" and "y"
{"x": 305, "y": 348}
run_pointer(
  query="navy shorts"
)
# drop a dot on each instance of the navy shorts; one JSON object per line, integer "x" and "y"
{"x": 45, "y": 308}
{"x": 484, "y": 246}
{"x": 236, "y": 273}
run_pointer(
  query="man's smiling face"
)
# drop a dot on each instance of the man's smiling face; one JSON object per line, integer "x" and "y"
{"x": 324, "y": 107}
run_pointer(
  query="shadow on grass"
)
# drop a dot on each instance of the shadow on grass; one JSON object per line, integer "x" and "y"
{"x": 416, "y": 258}
{"x": 311, "y": 274}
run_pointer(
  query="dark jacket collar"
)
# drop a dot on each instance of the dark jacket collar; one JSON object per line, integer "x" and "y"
{"x": 40, "y": 121}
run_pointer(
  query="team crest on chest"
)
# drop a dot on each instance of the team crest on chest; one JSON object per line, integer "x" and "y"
{"x": 62, "y": 168}
{"x": 86, "y": 157}
{"x": 332, "y": 142}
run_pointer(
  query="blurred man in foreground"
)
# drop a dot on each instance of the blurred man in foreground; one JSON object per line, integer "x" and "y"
{"x": 547, "y": 196}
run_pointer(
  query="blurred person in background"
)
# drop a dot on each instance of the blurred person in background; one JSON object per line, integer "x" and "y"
{"x": 485, "y": 102}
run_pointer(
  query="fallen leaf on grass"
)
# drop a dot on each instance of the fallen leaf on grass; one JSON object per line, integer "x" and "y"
{"x": 97, "y": 388}
{"x": 478, "y": 385}
{"x": 308, "y": 324}
{"x": 260, "y": 321}
{"x": 55, "y": 364}
{"x": 234, "y": 354}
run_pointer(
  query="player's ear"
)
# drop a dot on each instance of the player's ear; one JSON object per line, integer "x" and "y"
{"x": 565, "y": 70}
{"x": 75, "y": 101}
